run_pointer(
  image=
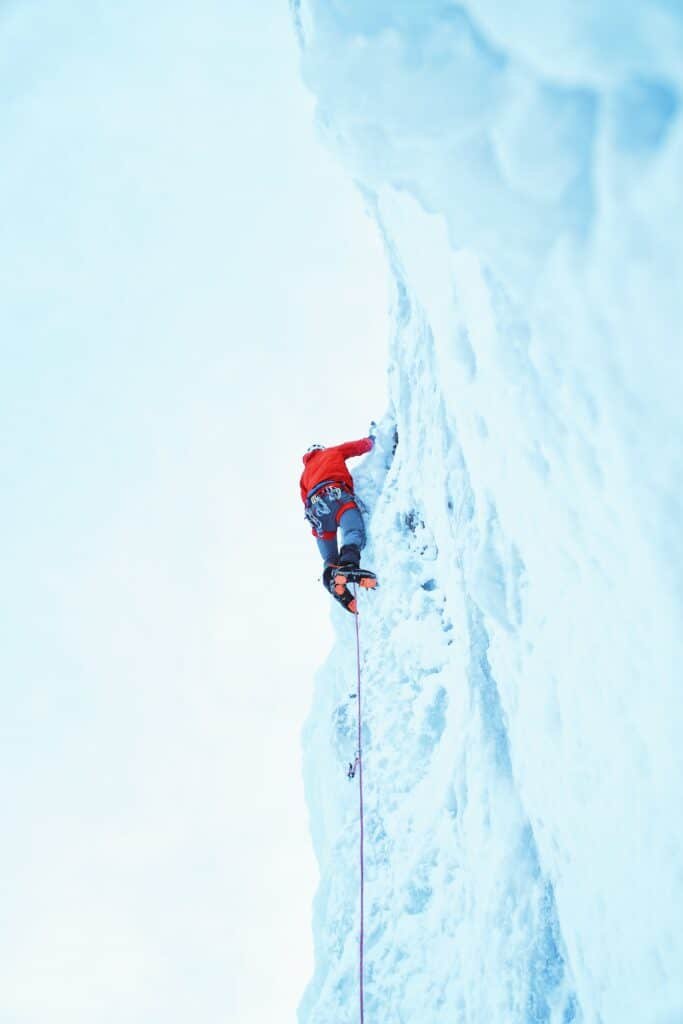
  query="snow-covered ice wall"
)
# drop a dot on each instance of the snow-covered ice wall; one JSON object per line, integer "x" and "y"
{"x": 523, "y": 740}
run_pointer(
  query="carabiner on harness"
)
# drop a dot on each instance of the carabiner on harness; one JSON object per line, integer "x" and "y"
{"x": 313, "y": 519}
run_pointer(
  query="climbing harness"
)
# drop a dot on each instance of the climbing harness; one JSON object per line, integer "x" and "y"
{"x": 331, "y": 491}
{"x": 325, "y": 506}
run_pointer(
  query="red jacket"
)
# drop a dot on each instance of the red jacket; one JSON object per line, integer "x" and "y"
{"x": 330, "y": 464}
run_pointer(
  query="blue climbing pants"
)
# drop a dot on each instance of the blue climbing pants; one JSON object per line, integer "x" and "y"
{"x": 332, "y": 509}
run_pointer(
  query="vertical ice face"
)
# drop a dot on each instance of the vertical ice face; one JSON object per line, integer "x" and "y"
{"x": 523, "y": 706}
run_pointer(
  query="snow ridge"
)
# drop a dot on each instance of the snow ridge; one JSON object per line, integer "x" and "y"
{"x": 451, "y": 856}
{"x": 522, "y": 697}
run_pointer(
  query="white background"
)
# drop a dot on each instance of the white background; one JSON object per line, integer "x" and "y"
{"x": 191, "y": 294}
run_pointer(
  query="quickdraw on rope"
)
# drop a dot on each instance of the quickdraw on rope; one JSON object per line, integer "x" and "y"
{"x": 356, "y": 769}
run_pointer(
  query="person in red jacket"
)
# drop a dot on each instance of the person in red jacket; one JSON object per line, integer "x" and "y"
{"x": 327, "y": 493}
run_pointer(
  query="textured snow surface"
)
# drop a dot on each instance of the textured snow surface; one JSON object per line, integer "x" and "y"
{"x": 522, "y": 682}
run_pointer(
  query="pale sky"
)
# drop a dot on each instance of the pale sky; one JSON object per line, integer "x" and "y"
{"x": 188, "y": 281}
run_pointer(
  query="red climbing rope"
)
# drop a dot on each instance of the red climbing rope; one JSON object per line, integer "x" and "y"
{"x": 359, "y": 758}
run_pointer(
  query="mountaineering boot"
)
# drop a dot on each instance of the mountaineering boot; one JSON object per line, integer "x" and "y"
{"x": 336, "y": 588}
{"x": 349, "y": 560}
{"x": 346, "y": 600}
{"x": 328, "y": 573}
{"x": 348, "y": 570}
{"x": 349, "y": 557}
{"x": 344, "y": 574}
{"x": 340, "y": 592}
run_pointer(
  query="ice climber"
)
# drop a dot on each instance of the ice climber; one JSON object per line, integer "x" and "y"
{"x": 327, "y": 493}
